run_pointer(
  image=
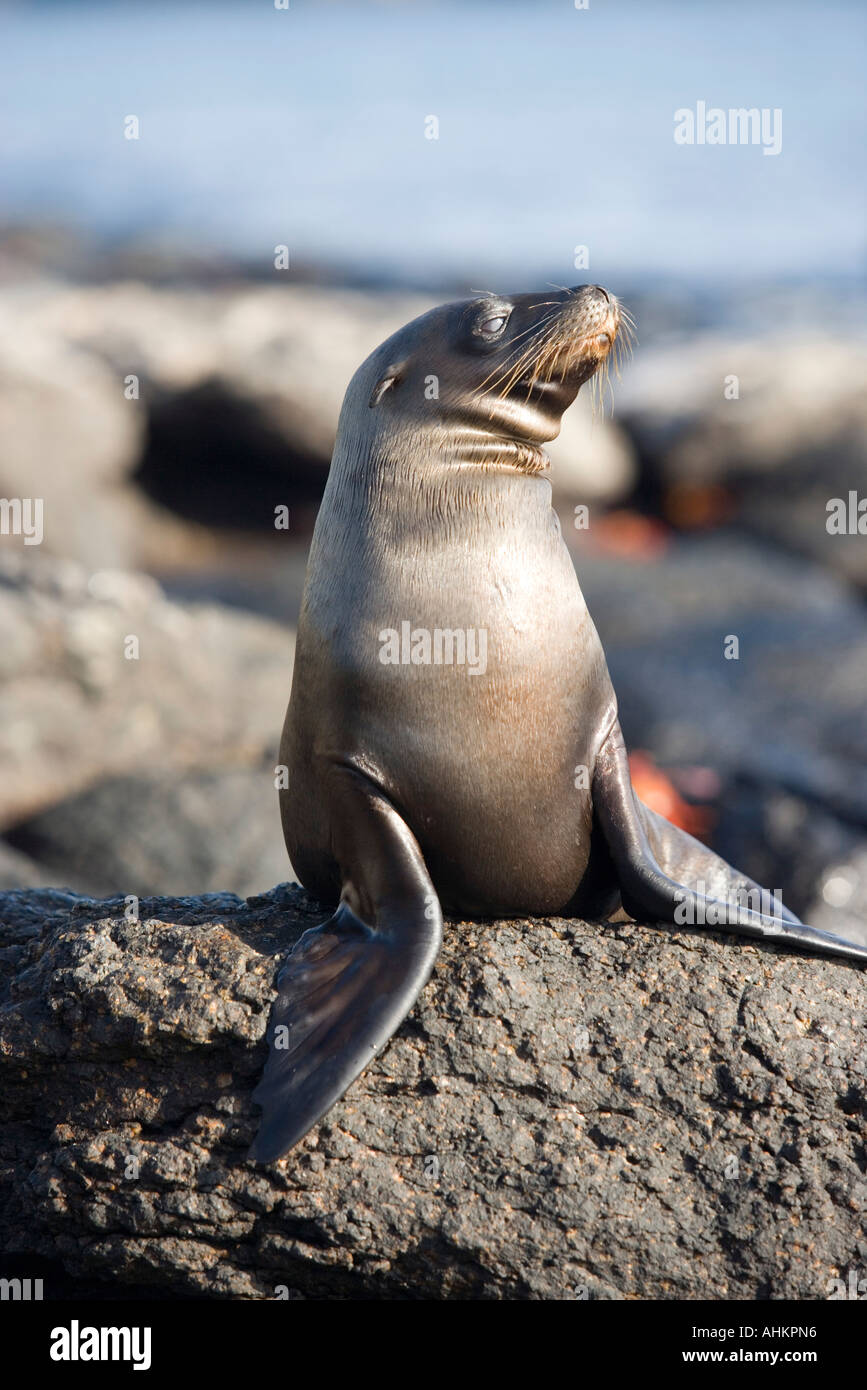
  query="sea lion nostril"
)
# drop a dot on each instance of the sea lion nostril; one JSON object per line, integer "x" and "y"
{"x": 590, "y": 298}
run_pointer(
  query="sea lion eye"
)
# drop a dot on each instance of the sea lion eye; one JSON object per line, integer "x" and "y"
{"x": 603, "y": 339}
{"x": 492, "y": 327}
{"x": 484, "y": 322}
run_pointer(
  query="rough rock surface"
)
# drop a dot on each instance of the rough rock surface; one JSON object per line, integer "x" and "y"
{"x": 570, "y": 1110}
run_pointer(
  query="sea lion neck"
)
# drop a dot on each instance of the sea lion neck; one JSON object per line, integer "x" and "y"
{"x": 472, "y": 448}
{"x": 484, "y": 484}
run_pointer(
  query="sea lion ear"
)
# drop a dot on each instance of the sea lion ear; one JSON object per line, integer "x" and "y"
{"x": 392, "y": 377}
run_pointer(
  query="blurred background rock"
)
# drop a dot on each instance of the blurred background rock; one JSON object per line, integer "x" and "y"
{"x": 163, "y": 388}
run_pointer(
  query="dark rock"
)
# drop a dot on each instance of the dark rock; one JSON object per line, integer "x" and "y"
{"x": 18, "y": 870}
{"x": 188, "y": 430}
{"x": 570, "y": 1110}
{"x": 171, "y": 830}
{"x": 792, "y": 440}
{"x": 782, "y": 726}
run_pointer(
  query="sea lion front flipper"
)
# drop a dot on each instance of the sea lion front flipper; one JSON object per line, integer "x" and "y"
{"x": 349, "y": 983}
{"x": 659, "y": 867}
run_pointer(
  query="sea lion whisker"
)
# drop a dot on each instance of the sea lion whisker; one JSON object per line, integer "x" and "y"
{"x": 536, "y": 330}
{"x": 547, "y": 355}
{"x": 510, "y": 371}
{"x": 535, "y": 355}
{"x": 594, "y": 396}
{"x": 610, "y": 384}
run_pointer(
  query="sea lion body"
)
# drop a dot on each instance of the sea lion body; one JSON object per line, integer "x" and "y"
{"x": 493, "y": 785}
{"x": 476, "y": 762}
{"x": 411, "y": 531}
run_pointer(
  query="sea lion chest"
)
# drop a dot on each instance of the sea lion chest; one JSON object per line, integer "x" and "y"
{"x": 462, "y": 671}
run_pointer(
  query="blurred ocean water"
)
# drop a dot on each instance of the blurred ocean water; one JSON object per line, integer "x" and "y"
{"x": 306, "y": 126}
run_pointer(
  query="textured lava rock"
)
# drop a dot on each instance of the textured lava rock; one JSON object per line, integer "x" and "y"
{"x": 571, "y": 1110}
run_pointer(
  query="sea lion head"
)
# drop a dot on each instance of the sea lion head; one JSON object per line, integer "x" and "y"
{"x": 485, "y": 381}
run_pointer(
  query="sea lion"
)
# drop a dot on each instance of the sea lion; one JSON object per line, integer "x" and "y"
{"x": 452, "y": 736}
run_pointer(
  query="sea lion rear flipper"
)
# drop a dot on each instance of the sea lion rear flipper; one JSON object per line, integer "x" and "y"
{"x": 665, "y": 873}
{"x": 349, "y": 983}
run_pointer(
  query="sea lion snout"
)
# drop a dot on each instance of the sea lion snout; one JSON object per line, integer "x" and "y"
{"x": 576, "y": 336}
{"x": 591, "y": 318}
